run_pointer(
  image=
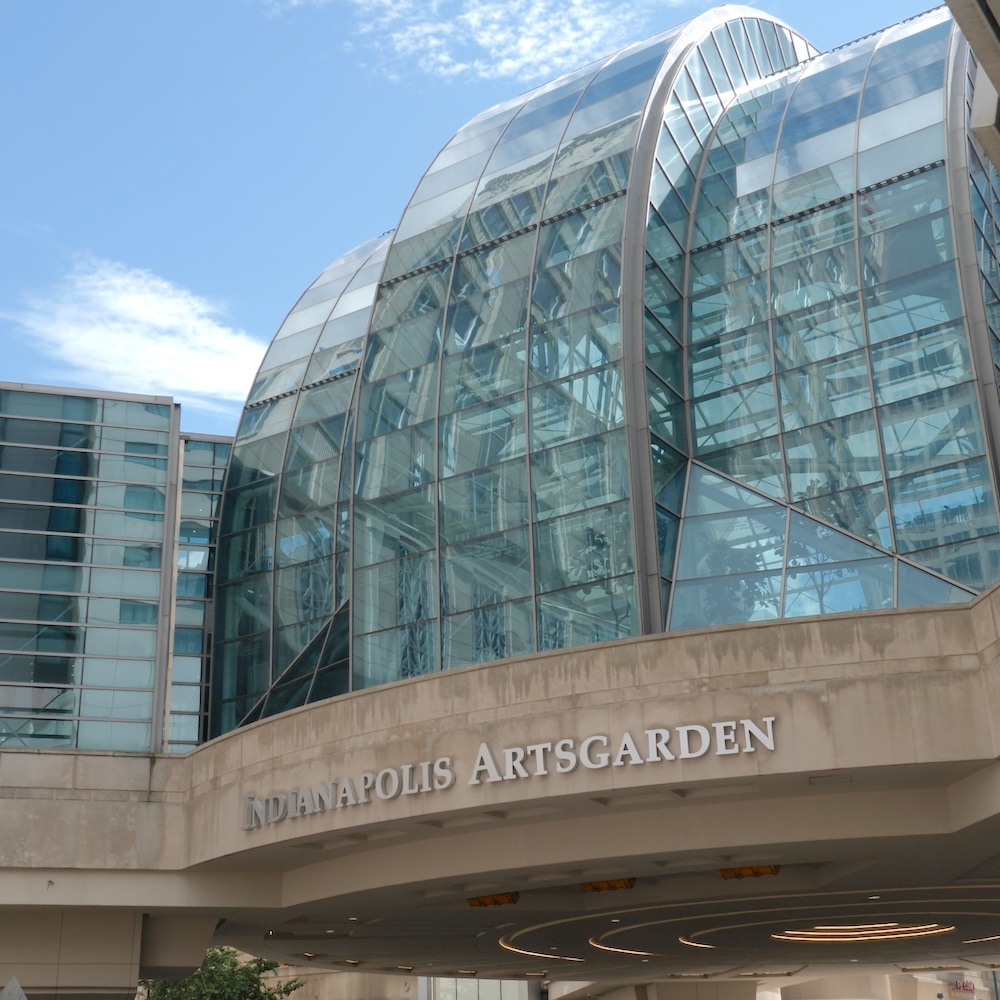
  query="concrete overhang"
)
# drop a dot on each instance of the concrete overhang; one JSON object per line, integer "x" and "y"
{"x": 652, "y": 809}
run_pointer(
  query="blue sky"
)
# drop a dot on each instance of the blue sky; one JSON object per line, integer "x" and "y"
{"x": 176, "y": 172}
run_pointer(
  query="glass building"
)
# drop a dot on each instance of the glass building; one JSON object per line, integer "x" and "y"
{"x": 702, "y": 334}
{"x": 106, "y": 512}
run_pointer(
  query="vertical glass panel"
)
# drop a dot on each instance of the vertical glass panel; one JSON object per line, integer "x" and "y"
{"x": 826, "y": 390}
{"x": 734, "y": 417}
{"x": 578, "y": 284}
{"x": 485, "y": 571}
{"x": 712, "y": 494}
{"x": 488, "y": 633}
{"x": 484, "y": 502}
{"x": 861, "y": 511}
{"x": 407, "y": 398}
{"x": 303, "y": 592}
{"x": 579, "y": 475}
{"x": 493, "y": 266}
{"x": 583, "y": 549}
{"x": 577, "y": 407}
{"x": 668, "y": 475}
{"x": 383, "y": 657}
{"x": 408, "y": 344}
{"x": 834, "y": 455}
{"x": 592, "y": 614}
{"x": 725, "y": 600}
{"x": 483, "y": 373}
{"x": 394, "y": 593}
{"x": 480, "y": 436}
{"x": 589, "y": 339}
{"x": 395, "y": 525}
{"x": 934, "y": 429}
{"x": 942, "y": 506}
{"x": 395, "y": 462}
{"x": 730, "y": 360}
{"x": 818, "y": 332}
{"x": 758, "y": 464}
{"x": 667, "y": 527}
{"x": 491, "y": 315}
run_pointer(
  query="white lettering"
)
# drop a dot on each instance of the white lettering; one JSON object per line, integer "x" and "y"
{"x": 387, "y": 783}
{"x": 598, "y": 760}
{"x": 725, "y": 738}
{"x": 766, "y": 739}
{"x": 514, "y": 759}
{"x": 259, "y": 813}
{"x": 408, "y": 787}
{"x": 485, "y": 762}
{"x": 325, "y": 793}
{"x": 658, "y": 745}
{"x": 444, "y": 776}
{"x": 566, "y": 756}
{"x": 367, "y": 784}
{"x": 248, "y": 813}
{"x": 275, "y": 808}
{"x": 348, "y": 796}
{"x": 683, "y": 735}
{"x": 628, "y": 749}
{"x": 538, "y": 749}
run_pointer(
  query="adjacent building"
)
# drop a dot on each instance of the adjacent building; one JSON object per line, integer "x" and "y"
{"x": 107, "y": 523}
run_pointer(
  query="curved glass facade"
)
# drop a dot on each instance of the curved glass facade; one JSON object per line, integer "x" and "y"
{"x": 675, "y": 341}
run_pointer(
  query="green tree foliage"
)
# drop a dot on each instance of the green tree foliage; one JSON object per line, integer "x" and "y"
{"x": 224, "y": 976}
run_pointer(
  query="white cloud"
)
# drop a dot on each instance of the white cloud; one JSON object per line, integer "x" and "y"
{"x": 526, "y": 40}
{"x": 112, "y": 327}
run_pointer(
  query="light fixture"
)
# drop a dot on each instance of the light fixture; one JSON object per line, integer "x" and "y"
{"x": 351, "y": 961}
{"x": 753, "y": 871}
{"x": 694, "y": 944}
{"x": 610, "y": 883}
{"x": 497, "y": 899}
{"x": 405, "y": 968}
{"x": 852, "y": 933}
{"x": 308, "y": 954}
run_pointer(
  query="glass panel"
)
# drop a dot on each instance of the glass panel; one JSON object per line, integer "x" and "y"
{"x": 483, "y": 373}
{"x": 578, "y": 407}
{"x": 942, "y": 506}
{"x": 834, "y": 455}
{"x": 488, "y": 633}
{"x": 826, "y": 390}
{"x": 483, "y": 502}
{"x": 481, "y": 436}
{"x": 394, "y": 526}
{"x": 485, "y": 571}
{"x": 396, "y": 461}
{"x": 917, "y": 588}
{"x": 579, "y": 475}
{"x": 590, "y": 614}
{"x": 583, "y": 549}
{"x": 383, "y": 657}
{"x": 934, "y": 429}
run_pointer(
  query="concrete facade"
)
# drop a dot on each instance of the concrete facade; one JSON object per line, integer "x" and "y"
{"x": 880, "y": 800}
